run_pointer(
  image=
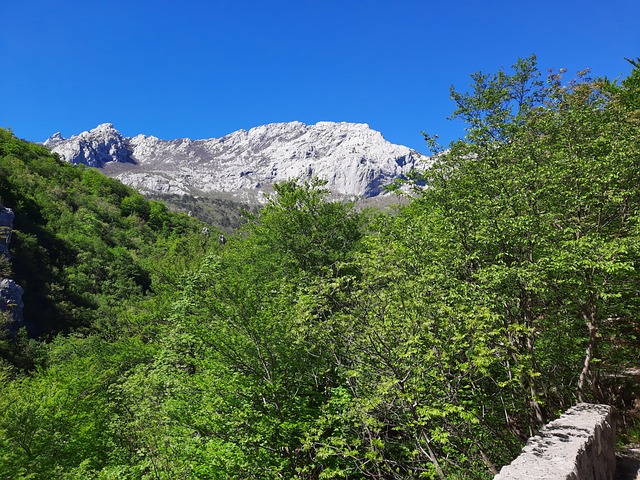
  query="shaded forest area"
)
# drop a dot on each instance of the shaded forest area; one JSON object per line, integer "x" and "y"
{"x": 325, "y": 342}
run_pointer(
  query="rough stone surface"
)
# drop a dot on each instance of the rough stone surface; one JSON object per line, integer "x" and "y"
{"x": 93, "y": 148}
{"x": 354, "y": 159}
{"x": 577, "y": 446}
{"x": 10, "y": 291}
{"x": 11, "y": 299}
{"x": 628, "y": 463}
{"x": 6, "y": 227}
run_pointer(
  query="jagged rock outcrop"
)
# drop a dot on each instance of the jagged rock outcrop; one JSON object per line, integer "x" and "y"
{"x": 10, "y": 291}
{"x": 93, "y": 148}
{"x": 354, "y": 159}
{"x": 11, "y": 300}
{"x": 6, "y": 227}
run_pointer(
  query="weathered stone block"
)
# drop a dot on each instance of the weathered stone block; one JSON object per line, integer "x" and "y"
{"x": 577, "y": 446}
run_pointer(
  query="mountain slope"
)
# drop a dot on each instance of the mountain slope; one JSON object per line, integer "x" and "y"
{"x": 81, "y": 244}
{"x": 354, "y": 159}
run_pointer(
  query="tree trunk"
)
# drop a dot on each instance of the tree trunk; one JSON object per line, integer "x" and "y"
{"x": 432, "y": 457}
{"x": 534, "y": 402}
{"x": 530, "y": 346}
{"x": 585, "y": 374}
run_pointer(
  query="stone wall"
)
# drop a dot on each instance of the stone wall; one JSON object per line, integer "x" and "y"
{"x": 577, "y": 446}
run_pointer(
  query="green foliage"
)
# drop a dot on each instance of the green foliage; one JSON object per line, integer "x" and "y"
{"x": 549, "y": 219}
{"x": 222, "y": 211}
{"x": 310, "y": 232}
{"x": 59, "y": 418}
{"x": 262, "y": 370}
{"x": 5, "y": 267}
{"x": 81, "y": 240}
{"x": 135, "y": 204}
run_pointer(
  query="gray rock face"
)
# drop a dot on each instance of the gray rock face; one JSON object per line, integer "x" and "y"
{"x": 355, "y": 160}
{"x": 6, "y": 227}
{"x": 93, "y": 148}
{"x": 10, "y": 291}
{"x": 577, "y": 446}
{"x": 11, "y": 299}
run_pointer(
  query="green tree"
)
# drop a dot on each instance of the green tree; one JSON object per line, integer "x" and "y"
{"x": 309, "y": 231}
{"x": 540, "y": 196}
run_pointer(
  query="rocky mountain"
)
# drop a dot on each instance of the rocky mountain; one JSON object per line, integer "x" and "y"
{"x": 355, "y": 160}
{"x": 94, "y": 148}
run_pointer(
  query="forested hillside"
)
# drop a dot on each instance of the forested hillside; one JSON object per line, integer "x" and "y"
{"x": 82, "y": 244}
{"x": 322, "y": 342}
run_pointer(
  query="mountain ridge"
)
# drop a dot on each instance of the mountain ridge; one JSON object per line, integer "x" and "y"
{"x": 355, "y": 160}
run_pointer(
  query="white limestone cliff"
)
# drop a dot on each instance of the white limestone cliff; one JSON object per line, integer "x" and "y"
{"x": 354, "y": 159}
{"x": 93, "y": 148}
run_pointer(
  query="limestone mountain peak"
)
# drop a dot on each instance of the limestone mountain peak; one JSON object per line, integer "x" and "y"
{"x": 354, "y": 159}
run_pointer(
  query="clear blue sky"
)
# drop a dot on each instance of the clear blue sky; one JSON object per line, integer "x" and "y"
{"x": 200, "y": 69}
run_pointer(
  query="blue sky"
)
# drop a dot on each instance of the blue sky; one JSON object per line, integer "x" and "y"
{"x": 203, "y": 69}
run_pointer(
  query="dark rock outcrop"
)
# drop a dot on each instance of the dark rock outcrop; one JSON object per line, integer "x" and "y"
{"x": 10, "y": 291}
{"x": 11, "y": 300}
{"x": 6, "y": 227}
